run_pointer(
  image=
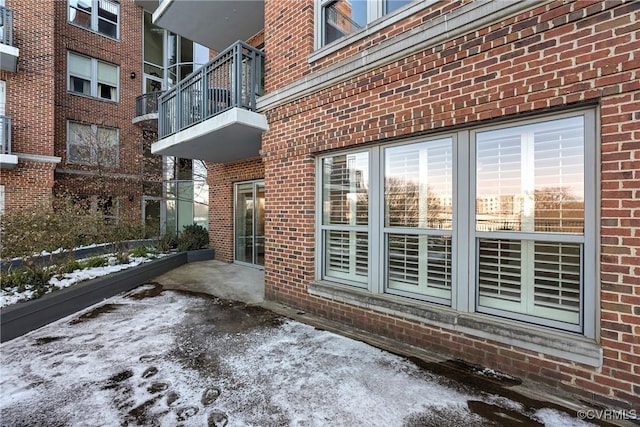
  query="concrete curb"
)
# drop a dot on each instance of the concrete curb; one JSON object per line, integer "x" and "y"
{"x": 18, "y": 319}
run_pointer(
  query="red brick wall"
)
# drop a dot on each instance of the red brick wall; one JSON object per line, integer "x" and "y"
{"x": 28, "y": 186}
{"x": 221, "y": 179}
{"x": 558, "y": 54}
{"x": 30, "y": 104}
{"x": 126, "y": 52}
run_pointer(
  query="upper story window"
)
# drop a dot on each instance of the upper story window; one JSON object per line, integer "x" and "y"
{"x": 339, "y": 18}
{"x": 92, "y": 77}
{"x": 92, "y": 145}
{"x": 102, "y": 16}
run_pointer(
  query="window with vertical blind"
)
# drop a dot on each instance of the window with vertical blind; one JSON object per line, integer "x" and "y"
{"x": 92, "y": 77}
{"x": 495, "y": 220}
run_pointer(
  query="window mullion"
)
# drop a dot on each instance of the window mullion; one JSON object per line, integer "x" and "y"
{"x": 94, "y": 77}
{"x": 376, "y": 215}
{"x": 95, "y": 4}
{"x": 463, "y": 239}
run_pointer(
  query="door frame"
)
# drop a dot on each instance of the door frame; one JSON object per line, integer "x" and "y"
{"x": 255, "y": 183}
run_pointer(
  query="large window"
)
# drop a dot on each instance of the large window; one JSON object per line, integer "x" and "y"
{"x": 339, "y": 18}
{"x": 92, "y": 145}
{"x": 92, "y": 77}
{"x": 499, "y": 220}
{"x": 345, "y": 219}
{"x": 102, "y": 16}
{"x": 418, "y": 217}
{"x": 529, "y": 221}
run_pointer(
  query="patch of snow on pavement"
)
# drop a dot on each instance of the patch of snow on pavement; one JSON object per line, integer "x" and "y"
{"x": 175, "y": 358}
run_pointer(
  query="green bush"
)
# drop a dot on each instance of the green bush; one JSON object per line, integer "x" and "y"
{"x": 142, "y": 251}
{"x": 94, "y": 262}
{"x": 68, "y": 266}
{"x": 29, "y": 278}
{"x": 193, "y": 237}
{"x": 167, "y": 242}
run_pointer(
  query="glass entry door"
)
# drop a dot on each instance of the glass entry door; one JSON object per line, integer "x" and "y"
{"x": 249, "y": 223}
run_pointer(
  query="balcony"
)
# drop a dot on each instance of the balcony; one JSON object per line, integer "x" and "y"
{"x": 8, "y": 53}
{"x": 147, "y": 110}
{"x": 215, "y": 24}
{"x": 210, "y": 115}
{"x": 7, "y": 160}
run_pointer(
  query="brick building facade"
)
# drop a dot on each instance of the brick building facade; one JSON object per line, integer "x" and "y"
{"x": 29, "y": 94}
{"x": 458, "y": 176}
{"x": 72, "y": 101}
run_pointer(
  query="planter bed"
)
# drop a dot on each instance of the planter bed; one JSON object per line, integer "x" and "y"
{"x": 80, "y": 253}
{"x": 20, "y": 318}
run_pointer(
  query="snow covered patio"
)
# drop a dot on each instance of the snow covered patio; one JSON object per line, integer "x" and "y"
{"x": 167, "y": 357}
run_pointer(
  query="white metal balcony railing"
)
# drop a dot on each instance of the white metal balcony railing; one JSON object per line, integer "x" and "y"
{"x": 5, "y": 135}
{"x": 234, "y": 78}
{"x": 6, "y": 26}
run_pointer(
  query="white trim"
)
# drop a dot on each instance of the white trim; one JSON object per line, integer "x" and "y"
{"x": 38, "y": 158}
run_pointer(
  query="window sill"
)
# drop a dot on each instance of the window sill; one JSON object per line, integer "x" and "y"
{"x": 539, "y": 339}
{"x": 95, "y": 98}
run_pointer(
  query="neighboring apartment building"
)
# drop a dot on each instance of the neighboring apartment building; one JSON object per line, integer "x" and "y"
{"x": 461, "y": 176}
{"x": 71, "y": 98}
{"x": 71, "y": 74}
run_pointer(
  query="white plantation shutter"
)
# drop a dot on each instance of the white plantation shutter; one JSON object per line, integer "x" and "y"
{"x": 345, "y": 218}
{"x": 530, "y": 181}
{"x": 499, "y": 273}
{"x": 418, "y": 192}
{"x": 557, "y": 284}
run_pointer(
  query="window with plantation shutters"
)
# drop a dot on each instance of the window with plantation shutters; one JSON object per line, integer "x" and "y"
{"x": 345, "y": 217}
{"x": 499, "y": 220}
{"x": 418, "y": 217}
{"x": 530, "y": 219}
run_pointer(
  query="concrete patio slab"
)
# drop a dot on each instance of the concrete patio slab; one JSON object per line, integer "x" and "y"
{"x": 224, "y": 280}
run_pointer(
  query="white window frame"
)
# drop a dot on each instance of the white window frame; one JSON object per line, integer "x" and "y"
{"x": 94, "y": 78}
{"x": 95, "y": 19}
{"x": 93, "y": 161}
{"x": 464, "y": 237}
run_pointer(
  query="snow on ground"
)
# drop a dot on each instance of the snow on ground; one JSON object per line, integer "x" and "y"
{"x": 12, "y": 295}
{"x": 169, "y": 358}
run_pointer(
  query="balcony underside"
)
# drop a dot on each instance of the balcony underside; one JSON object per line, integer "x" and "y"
{"x": 8, "y": 161}
{"x": 9, "y": 58}
{"x": 231, "y": 136}
{"x": 215, "y": 24}
{"x": 147, "y": 121}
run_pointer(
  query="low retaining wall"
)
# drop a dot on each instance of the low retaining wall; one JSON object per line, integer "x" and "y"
{"x": 81, "y": 253}
{"x": 18, "y": 319}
